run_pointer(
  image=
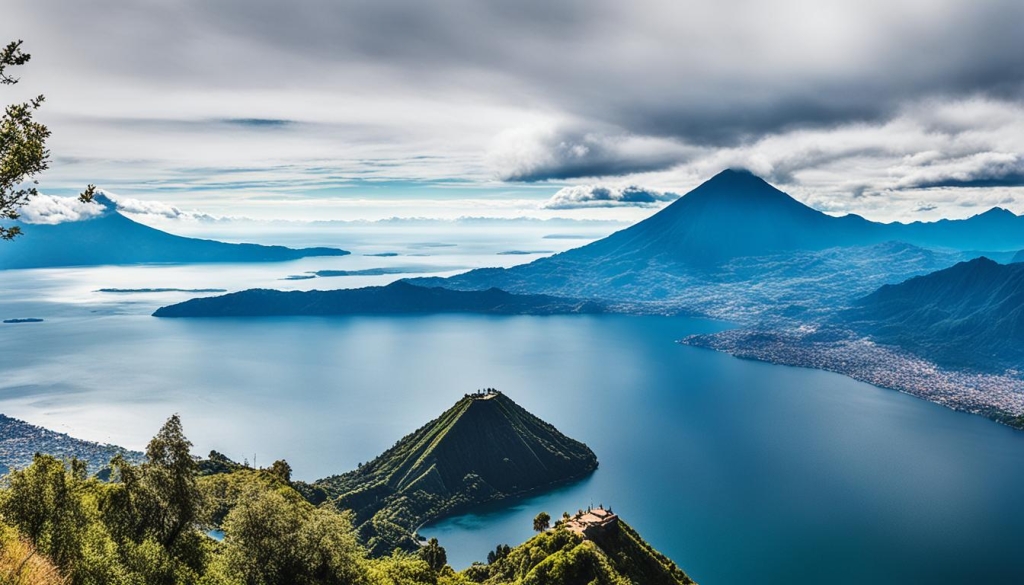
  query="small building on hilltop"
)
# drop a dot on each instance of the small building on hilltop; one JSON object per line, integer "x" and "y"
{"x": 593, "y": 522}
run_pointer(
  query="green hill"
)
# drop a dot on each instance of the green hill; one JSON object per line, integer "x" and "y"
{"x": 618, "y": 556}
{"x": 484, "y": 448}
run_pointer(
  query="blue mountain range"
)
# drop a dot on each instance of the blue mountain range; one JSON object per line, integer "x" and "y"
{"x": 112, "y": 238}
{"x": 969, "y": 315}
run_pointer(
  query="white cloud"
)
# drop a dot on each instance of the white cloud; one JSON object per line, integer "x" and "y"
{"x": 584, "y": 196}
{"x": 157, "y": 209}
{"x": 553, "y": 91}
{"x": 48, "y": 209}
{"x": 573, "y": 151}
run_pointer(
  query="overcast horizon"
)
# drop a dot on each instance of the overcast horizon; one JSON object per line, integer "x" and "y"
{"x": 906, "y": 110}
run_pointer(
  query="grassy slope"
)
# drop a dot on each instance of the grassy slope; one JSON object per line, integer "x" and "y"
{"x": 561, "y": 558}
{"x": 477, "y": 451}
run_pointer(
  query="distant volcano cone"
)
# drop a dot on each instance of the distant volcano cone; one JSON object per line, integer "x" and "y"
{"x": 733, "y": 214}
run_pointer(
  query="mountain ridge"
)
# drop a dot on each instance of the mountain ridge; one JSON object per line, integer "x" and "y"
{"x": 735, "y": 215}
{"x": 114, "y": 239}
{"x": 400, "y": 297}
{"x": 968, "y": 315}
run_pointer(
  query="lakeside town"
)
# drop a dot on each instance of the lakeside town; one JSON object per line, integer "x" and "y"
{"x": 20, "y": 441}
{"x": 999, "y": 397}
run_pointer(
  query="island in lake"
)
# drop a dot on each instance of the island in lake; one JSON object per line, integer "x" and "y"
{"x": 161, "y": 290}
{"x": 397, "y": 298}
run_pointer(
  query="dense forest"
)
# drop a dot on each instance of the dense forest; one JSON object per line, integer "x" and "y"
{"x": 176, "y": 519}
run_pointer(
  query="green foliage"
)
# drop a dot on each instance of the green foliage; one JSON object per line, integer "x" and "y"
{"x": 542, "y": 522}
{"x": 20, "y": 563}
{"x": 400, "y": 568}
{"x": 501, "y": 551}
{"x": 434, "y": 555}
{"x": 152, "y": 509}
{"x": 44, "y": 503}
{"x": 275, "y": 540}
{"x": 148, "y": 527}
{"x": 23, "y": 152}
{"x": 560, "y": 557}
{"x": 281, "y": 469}
{"x": 216, "y": 463}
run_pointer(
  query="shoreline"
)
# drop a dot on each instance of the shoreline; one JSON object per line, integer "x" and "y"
{"x": 997, "y": 397}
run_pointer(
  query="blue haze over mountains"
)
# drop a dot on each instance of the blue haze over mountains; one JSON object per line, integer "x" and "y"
{"x": 735, "y": 248}
{"x": 738, "y": 248}
{"x": 969, "y": 315}
{"x": 112, "y": 238}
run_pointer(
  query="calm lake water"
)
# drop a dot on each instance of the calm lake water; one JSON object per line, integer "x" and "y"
{"x": 742, "y": 472}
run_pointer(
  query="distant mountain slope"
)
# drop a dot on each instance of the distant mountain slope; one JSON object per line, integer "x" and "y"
{"x": 112, "y": 238}
{"x": 733, "y": 214}
{"x": 397, "y": 298}
{"x": 1018, "y": 257}
{"x": 733, "y": 217}
{"x": 484, "y": 448}
{"x": 969, "y": 315}
{"x": 997, "y": 229}
{"x": 804, "y": 281}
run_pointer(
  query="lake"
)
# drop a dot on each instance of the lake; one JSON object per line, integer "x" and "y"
{"x": 741, "y": 472}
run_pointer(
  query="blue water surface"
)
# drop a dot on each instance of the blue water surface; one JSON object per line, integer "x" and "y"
{"x": 742, "y": 472}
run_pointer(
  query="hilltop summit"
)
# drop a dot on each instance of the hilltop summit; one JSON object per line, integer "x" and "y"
{"x": 485, "y": 447}
{"x": 733, "y": 214}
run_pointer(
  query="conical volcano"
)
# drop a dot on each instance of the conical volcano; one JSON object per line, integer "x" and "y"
{"x": 484, "y": 448}
{"x": 733, "y": 214}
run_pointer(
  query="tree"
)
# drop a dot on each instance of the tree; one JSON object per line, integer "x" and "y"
{"x": 275, "y": 538}
{"x": 23, "y": 152}
{"x": 159, "y": 501}
{"x": 434, "y": 554}
{"x": 542, "y": 522}
{"x": 282, "y": 470}
{"x": 501, "y": 551}
{"x": 44, "y": 502}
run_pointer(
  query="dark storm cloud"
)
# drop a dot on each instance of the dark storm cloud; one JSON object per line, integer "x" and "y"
{"x": 568, "y": 153}
{"x": 1007, "y": 180}
{"x": 707, "y": 74}
{"x": 619, "y": 88}
{"x": 584, "y": 196}
{"x": 983, "y": 173}
{"x": 258, "y": 122}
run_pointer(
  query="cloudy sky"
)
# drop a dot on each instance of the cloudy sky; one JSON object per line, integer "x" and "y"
{"x": 343, "y": 109}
